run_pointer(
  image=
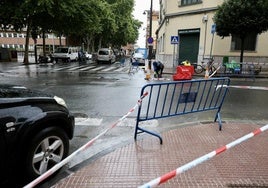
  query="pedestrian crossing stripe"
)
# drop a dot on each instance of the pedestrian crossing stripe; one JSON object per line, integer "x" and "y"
{"x": 64, "y": 67}
{"x": 98, "y": 68}
{"x": 87, "y": 68}
{"x": 119, "y": 69}
{"x": 77, "y": 68}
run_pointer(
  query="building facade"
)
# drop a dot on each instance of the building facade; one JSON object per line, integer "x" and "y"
{"x": 192, "y": 22}
{"x": 13, "y": 40}
{"x": 155, "y": 24}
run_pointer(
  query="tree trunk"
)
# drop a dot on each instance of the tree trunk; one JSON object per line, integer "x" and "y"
{"x": 26, "y": 52}
{"x": 92, "y": 43}
{"x": 44, "y": 43}
{"x": 242, "y": 49}
{"x": 100, "y": 40}
{"x": 60, "y": 39}
{"x": 93, "y": 46}
{"x": 87, "y": 43}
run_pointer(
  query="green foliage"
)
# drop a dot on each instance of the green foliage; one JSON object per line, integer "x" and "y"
{"x": 108, "y": 21}
{"x": 127, "y": 26}
{"x": 241, "y": 17}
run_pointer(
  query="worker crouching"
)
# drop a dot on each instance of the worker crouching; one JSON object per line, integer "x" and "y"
{"x": 158, "y": 69}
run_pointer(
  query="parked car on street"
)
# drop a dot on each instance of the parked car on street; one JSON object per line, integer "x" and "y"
{"x": 35, "y": 129}
{"x": 105, "y": 55}
{"x": 66, "y": 54}
{"x": 88, "y": 56}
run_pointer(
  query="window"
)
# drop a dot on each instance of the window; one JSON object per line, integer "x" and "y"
{"x": 161, "y": 43}
{"x": 190, "y": 2}
{"x": 249, "y": 44}
{"x": 164, "y": 39}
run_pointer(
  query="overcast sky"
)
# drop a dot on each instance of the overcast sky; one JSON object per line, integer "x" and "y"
{"x": 140, "y": 7}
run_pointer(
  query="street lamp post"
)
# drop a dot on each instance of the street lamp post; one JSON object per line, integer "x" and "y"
{"x": 150, "y": 36}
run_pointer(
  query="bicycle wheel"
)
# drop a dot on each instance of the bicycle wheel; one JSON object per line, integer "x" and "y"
{"x": 198, "y": 69}
{"x": 212, "y": 70}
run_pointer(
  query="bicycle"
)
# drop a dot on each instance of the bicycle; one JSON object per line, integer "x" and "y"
{"x": 198, "y": 69}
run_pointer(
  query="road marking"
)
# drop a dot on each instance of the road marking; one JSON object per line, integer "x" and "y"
{"x": 98, "y": 68}
{"x": 108, "y": 69}
{"x": 64, "y": 67}
{"x": 87, "y": 68}
{"x": 78, "y": 67}
{"x": 88, "y": 121}
{"x": 119, "y": 70}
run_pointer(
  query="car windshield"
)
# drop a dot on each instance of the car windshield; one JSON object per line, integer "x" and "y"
{"x": 61, "y": 50}
{"x": 103, "y": 52}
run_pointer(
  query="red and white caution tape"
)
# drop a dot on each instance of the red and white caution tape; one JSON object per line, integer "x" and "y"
{"x": 202, "y": 159}
{"x": 81, "y": 149}
{"x": 214, "y": 72}
{"x": 244, "y": 87}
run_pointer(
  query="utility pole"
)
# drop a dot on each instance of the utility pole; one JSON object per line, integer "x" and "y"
{"x": 150, "y": 37}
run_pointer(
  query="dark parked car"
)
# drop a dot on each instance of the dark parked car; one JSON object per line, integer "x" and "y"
{"x": 35, "y": 129}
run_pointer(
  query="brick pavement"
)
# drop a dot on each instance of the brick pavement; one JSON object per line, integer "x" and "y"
{"x": 138, "y": 162}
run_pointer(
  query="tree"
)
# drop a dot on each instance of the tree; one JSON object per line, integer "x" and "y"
{"x": 96, "y": 11}
{"x": 127, "y": 31}
{"x": 107, "y": 22}
{"x": 241, "y": 18}
{"x": 43, "y": 16}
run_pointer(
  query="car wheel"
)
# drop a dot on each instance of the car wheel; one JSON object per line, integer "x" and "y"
{"x": 46, "y": 149}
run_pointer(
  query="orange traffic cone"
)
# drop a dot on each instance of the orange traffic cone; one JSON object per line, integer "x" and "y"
{"x": 148, "y": 75}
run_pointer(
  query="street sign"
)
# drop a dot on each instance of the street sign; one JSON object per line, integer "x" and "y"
{"x": 150, "y": 40}
{"x": 174, "y": 40}
{"x": 213, "y": 28}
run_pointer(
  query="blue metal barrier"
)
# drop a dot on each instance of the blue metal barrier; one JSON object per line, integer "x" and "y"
{"x": 169, "y": 99}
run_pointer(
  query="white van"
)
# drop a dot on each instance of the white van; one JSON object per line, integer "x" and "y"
{"x": 105, "y": 54}
{"x": 66, "y": 54}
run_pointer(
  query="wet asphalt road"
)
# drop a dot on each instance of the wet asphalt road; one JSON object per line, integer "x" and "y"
{"x": 99, "y": 97}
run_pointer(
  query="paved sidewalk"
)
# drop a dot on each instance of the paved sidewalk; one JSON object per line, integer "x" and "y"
{"x": 136, "y": 163}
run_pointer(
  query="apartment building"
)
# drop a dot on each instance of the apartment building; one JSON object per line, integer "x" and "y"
{"x": 192, "y": 22}
{"x": 16, "y": 41}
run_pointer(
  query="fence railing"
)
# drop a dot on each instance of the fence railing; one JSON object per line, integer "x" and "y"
{"x": 177, "y": 98}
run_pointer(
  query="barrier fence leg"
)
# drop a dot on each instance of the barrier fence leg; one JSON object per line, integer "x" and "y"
{"x": 219, "y": 120}
{"x": 137, "y": 129}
